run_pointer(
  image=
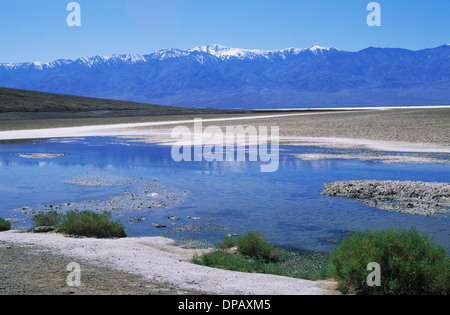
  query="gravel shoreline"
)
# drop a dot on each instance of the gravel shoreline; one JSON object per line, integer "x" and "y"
{"x": 36, "y": 264}
{"x": 419, "y": 198}
{"x": 34, "y": 270}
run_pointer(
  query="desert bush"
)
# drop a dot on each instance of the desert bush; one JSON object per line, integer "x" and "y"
{"x": 4, "y": 225}
{"x": 253, "y": 245}
{"x": 253, "y": 253}
{"x": 90, "y": 224}
{"x": 410, "y": 263}
{"x": 227, "y": 242}
{"x": 224, "y": 260}
{"x": 48, "y": 218}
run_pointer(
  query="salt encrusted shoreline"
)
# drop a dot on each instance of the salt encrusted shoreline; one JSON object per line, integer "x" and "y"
{"x": 377, "y": 156}
{"x": 420, "y": 198}
{"x": 41, "y": 155}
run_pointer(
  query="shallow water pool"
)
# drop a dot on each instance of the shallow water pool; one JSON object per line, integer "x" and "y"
{"x": 199, "y": 202}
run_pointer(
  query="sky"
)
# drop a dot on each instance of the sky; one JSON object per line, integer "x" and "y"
{"x": 33, "y": 30}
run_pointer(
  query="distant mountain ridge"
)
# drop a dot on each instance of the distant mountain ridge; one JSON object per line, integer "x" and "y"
{"x": 221, "y": 52}
{"x": 225, "y": 77}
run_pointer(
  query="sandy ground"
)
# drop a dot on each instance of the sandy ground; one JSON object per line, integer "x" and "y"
{"x": 136, "y": 266}
{"x": 33, "y": 270}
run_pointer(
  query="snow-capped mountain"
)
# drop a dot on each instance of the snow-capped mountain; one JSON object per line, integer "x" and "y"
{"x": 224, "y": 77}
{"x": 218, "y": 51}
{"x": 223, "y": 52}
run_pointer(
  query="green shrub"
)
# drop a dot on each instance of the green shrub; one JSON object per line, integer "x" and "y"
{"x": 306, "y": 265}
{"x": 253, "y": 245}
{"x": 262, "y": 257}
{"x": 410, "y": 263}
{"x": 49, "y": 218}
{"x": 223, "y": 260}
{"x": 91, "y": 224}
{"x": 4, "y": 225}
{"x": 227, "y": 242}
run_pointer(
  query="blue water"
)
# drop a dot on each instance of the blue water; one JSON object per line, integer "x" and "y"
{"x": 223, "y": 197}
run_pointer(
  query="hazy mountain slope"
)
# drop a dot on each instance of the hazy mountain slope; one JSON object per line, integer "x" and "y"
{"x": 22, "y": 104}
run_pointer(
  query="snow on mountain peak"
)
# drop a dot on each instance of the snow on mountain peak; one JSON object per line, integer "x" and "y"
{"x": 215, "y": 50}
{"x": 110, "y": 60}
{"x": 224, "y": 52}
{"x": 130, "y": 58}
{"x": 318, "y": 50}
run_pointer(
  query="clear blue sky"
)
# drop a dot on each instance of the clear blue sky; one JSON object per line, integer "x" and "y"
{"x": 32, "y": 30}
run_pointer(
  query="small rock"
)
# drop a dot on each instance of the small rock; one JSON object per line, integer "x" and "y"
{"x": 134, "y": 221}
{"x": 43, "y": 229}
{"x": 232, "y": 250}
{"x": 159, "y": 226}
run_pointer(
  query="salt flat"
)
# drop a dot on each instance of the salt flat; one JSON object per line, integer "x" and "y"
{"x": 384, "y": 129}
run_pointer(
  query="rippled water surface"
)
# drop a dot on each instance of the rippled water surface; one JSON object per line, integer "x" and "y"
{"x": 198, "y": 201}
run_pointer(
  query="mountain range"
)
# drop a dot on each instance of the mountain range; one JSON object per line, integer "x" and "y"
{"x": 224, "y": 77}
